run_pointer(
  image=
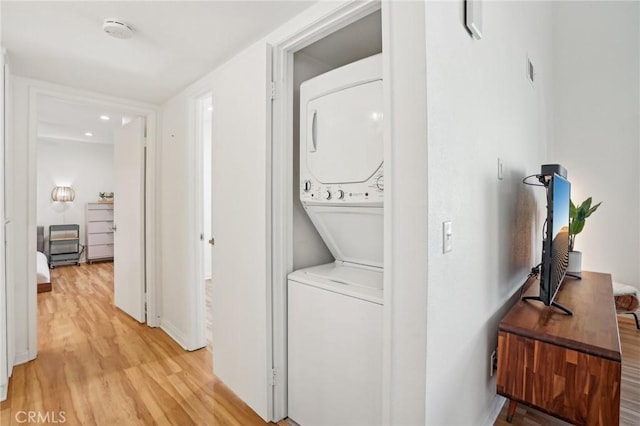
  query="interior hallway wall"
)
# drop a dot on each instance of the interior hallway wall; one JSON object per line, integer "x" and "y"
{"x": 597, "y": 127}
{"x": 481, "y": 107}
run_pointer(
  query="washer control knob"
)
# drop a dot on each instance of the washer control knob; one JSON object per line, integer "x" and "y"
{"x": 307, "y": 186}
{"x": 380, "y": 182}
{"x": 327, "y": 195}
{"x": 340, "y": 194}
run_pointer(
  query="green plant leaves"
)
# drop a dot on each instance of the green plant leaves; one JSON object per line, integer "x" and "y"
{"x": 578, "y": 216}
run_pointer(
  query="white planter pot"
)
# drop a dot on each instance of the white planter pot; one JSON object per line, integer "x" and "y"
{"x": 575, "y": 263}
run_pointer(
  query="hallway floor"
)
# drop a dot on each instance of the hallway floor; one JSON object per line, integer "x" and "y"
{"x": 97, "y": 366}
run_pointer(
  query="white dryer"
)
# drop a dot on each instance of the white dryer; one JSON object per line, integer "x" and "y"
{"x": 335, "y": 310}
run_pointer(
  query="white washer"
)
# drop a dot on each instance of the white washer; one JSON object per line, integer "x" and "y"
{"x": 335, "y": 310}
{"x": 335, "y": 345}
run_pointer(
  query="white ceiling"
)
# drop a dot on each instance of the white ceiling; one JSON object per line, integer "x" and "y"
{"x": 174, "y": 42}
{"x": 63, "y": 120}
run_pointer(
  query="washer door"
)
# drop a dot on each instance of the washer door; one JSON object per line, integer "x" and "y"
{"x": 344, "y": 134}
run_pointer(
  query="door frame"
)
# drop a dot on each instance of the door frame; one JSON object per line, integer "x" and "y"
{"x": 198, "y": 304}
{"x": 150, "y": 112}
{"x": 281, "y": 191}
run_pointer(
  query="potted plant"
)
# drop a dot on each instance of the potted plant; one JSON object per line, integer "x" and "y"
{"x": 577, "y": 218}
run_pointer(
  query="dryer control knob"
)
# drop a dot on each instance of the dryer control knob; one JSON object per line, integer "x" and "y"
{"x": 327, "y": 195}
{"x": 380, "y": 182}
{"x": 340, "y": 194}
{"x": 307, "y": 186}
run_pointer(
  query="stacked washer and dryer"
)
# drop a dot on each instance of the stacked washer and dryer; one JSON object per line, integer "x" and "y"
{"x": 335, "y": 310}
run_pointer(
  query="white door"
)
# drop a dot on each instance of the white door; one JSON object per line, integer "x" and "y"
{"x": 241, "y": 338}
{"x": 129, "y": 255}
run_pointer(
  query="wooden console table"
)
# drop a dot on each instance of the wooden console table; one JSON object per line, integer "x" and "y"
{"x": 566, "y": 366}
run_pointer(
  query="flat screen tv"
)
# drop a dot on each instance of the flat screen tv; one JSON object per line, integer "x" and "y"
{"x": 555, "y": 246}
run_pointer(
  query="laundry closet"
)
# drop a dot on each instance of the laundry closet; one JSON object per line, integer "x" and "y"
{"x": 335, "y": 293}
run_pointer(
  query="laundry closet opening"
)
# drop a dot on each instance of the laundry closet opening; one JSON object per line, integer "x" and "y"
{"x": 335, "y": 292}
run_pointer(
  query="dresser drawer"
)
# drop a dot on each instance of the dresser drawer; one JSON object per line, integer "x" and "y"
{"x": 97, "y": 239}
{"x": 100, "y": 206}
{"x": 99, "y": 227}
{"x": 100, "y": 251}
{"x": 98, "y": 215}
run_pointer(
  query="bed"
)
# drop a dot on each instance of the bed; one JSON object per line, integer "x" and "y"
{"x": 42, "y": 270}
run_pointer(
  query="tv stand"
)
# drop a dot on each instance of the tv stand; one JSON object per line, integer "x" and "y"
{"x": 554, "y": 304}
{"x": 567, "y": 366}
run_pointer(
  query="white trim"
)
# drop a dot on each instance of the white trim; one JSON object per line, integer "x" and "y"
{"x": 280, "y": 192}
{"x": 198, "y": 299}
{"x": 175, "y": 334}
{"x": 273, "y": 393}
{"x": 496, "y": 407}
{"x": 149, "y": 112}
{"x": 23, "y": 357}
{"x": 4, "y": 328}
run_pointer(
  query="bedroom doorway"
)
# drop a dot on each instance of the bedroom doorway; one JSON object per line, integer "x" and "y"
{"x": 203, "y": 126}
{"x": 73, "y": 146}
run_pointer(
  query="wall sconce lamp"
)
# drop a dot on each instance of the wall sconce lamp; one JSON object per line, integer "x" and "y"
{"x": 63, "y": 193}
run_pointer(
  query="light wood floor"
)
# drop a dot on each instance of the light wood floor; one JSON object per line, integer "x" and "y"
{"x": 629, "y": 389}
{"x": 101, "y": 367}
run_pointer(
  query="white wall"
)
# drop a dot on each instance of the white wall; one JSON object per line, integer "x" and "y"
{"x": 596, "y": 56}
{"x": 480, "y": 107}
{"x": 23, "y": 245}
{"x": 177, "y": 196}
{"x": 85, "y": 167}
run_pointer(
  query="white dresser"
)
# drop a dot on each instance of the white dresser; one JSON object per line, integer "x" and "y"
{"x": 99, "y": 241}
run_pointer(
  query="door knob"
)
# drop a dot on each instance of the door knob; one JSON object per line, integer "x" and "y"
{"x": 212, "y": 241}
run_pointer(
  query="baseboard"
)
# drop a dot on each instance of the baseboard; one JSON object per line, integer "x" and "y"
{"x": 3, "y": 392}
{"x": 496, "y": 407}
{"x": 174, "y": 333}
{"x": 23, "y": 357}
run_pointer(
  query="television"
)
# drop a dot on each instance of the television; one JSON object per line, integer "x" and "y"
{"x": 555, "y": 246}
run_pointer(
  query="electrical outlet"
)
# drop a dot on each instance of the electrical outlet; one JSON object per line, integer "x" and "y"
{"x": 493, "y": 363}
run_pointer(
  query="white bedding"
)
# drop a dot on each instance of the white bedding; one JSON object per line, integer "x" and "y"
{"x": 43, "y": 269}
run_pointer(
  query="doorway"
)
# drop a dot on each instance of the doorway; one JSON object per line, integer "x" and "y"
{"x": 338, "y": 40}
{"x": 203, "y": 142}
{"x": 48, "y": 135}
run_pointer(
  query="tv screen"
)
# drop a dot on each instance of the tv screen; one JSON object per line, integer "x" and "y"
{"x": 555, "y": 247}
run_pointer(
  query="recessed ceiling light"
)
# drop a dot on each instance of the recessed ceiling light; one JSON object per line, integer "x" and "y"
{"x": 88, "y": 134}
{"x": 105, "y": 117}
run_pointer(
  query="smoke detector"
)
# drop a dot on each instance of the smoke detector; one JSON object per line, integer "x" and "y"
{"x": 116, "y": 28}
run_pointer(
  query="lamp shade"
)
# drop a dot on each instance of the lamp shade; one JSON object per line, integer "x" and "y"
{"x": 63, "y": 193}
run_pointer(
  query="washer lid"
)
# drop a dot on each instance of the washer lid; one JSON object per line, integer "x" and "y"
{"x": 343, "y": 137}
{"x": 362, "y": 282}
{"x": 352, "y": 234}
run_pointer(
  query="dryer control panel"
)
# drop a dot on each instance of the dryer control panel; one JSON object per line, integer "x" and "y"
{"x": 370, "y": 192}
